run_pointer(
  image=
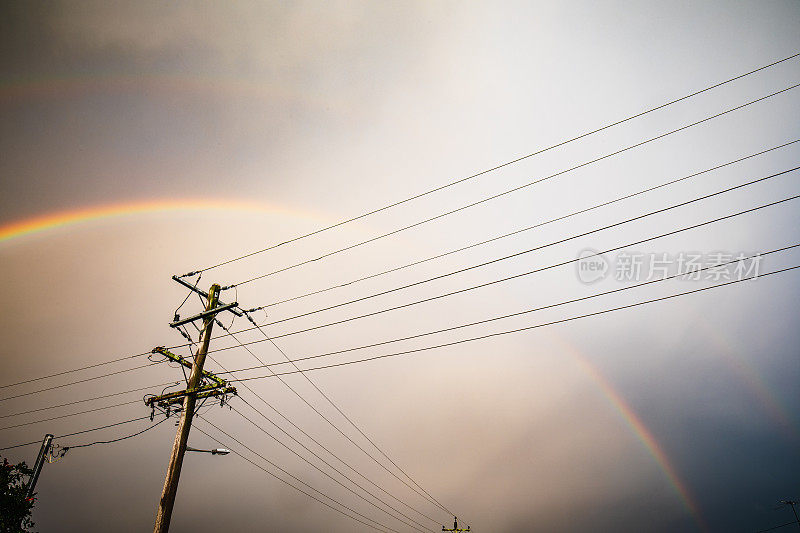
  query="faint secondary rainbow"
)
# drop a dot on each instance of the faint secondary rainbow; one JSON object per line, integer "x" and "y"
{"x": 752, "y": 379}
{"x": 72, "y": 86}
{"x": 76, "y": 216}
{"x": 638, "y": 428}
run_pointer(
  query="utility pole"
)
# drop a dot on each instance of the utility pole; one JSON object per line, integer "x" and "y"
{"x": 455, "y": 526}
{"x": 792, "y": 503}
{"x": 37, "y": 467}
{"x": 189, "y": 401}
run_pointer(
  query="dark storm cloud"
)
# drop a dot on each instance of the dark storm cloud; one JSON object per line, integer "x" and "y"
{"x": 187, "y": 96}
{"x": 339, "y": 107}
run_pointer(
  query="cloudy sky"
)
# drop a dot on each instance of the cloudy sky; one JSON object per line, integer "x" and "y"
{"x": 143, "y": 139}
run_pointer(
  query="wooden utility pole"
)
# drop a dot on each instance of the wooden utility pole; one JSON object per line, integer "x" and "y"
{"x": 37, "y": 466}
{"x": 179, "y": 447}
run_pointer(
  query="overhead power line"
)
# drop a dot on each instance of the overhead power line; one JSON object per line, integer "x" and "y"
{"x": 340, "y": 285}
{"x": 502, "y": 165}
{"x": 126, "y": 437}
{"x": 409, "y": 304}
{"x": 69, "y": 415}
{"x": 89, "y": 399}
{"x": 527, "y": 228}
{"x": 38, "y": 441}
{"x": 793, "y": 56}
{"x": 364, "y": 520}
{"x": 74, "y": 370}
{"x": 535, "y": 248}
{"x": 411, "y": 525}
{"x": 792, "y": 523}
{"x": 518, "y": 330}
{"x": 517, "y": 188}
{"x": 312, "y": 439}
{"x": 419, "y": 490}
{"x": 21, "y": 395}
{"x": 511, "y": 315}
{"x": 516, "y": 276}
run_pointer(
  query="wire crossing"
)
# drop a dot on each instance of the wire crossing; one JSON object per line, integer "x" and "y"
{"x": 522, "y": 274}
{"x": 374, "y": 524}
{"x": 312, "y": 439}
{"x": 413, "y": 525}
{"x": 516, "y": 314}
{"x": 444, "y": 295}
{"x": 540, "y": 224}
{"x": 536, "y": 248}
{"x": 424, "y": 493}
{"x": 428, "y": 333}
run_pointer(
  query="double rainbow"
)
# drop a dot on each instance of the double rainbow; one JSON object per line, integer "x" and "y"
{"x": 69, "y": 218}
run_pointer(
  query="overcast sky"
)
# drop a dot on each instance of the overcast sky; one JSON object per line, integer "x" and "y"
{"x": 206, "y": 131}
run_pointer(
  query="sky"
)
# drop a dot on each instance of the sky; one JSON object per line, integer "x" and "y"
{"x": 142, "y": 140}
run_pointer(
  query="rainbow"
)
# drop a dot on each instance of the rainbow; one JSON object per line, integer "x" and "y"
{"x": 72, "y": 217}
{"x": 17, "y": 91}
{"x": 78, "y": 86}
{"x": 637, "y": 427}
{"x": 753, "y": 381}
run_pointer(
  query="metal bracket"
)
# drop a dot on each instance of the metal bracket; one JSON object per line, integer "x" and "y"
{"x": 181, "y": 361}
{"x": 204, "y": 314}
{"x": 204, "y": 294}
{"x": 177, "y": 397}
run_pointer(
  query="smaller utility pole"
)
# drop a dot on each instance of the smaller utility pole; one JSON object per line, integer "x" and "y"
{"x": 37, "y": 467}
{"x": 455, "y": 526}
{"x": 792, "y": 503}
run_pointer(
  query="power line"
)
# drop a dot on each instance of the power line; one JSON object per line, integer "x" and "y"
{"x": 299, "y": 396}
{"x": 518, "y": 188}
{"x": 287, "y": 385}
{"x": 574, "y": 213}
{"x": 438, "y": 256}
{"x": 792, "y": 523}
{"x": 516, "y": 276}
{"x": 89, "y": 399}
{"x": 79, "y": 381}
{"x": 77, "y": 433}
{"x": 71, "y": 414}
{"x": 528, "y": 228}
{"x": 536, "y": 248}
{"x": 240, "y": 443}
{"x": 64, "y": 449}
{"x": 497, "y": 334}
{"x": 511, "y": 315}
{"x": 73, "y": 370}
{"x": 442, "y": 187}
{"x": 426, "y": 299}
{"x": 502, "y": 165}
{"x": 339, "y": 472}
{"x": 425, "y": 494}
